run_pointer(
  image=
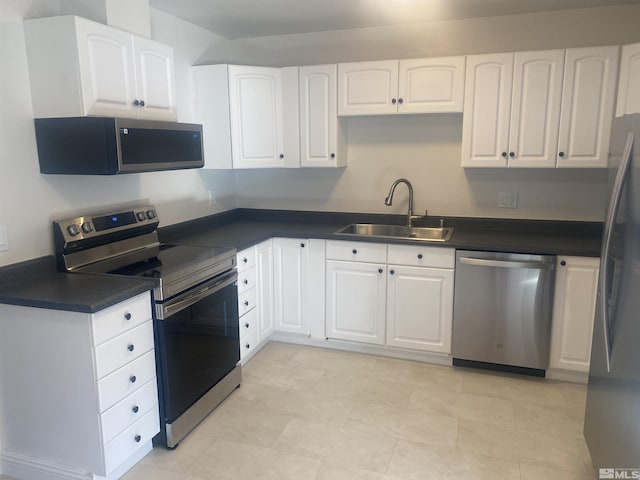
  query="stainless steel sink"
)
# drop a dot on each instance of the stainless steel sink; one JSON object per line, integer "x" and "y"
{"x": 427, "y": 234}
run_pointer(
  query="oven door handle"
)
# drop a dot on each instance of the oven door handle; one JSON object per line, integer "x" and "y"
{"x": 167, "y": 309}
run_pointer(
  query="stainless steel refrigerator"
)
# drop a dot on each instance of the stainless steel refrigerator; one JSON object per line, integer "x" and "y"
{"x": 612, "y": 421}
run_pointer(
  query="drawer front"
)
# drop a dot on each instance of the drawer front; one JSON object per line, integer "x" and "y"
{"x": 133, "y": 438}
{"x": 117, "y": 385}
{"x": 246, "y": 301}
{"x": 124, "y": 348}
{"x": 248, "y": 343}
{"x": 421, "y": 256}
{"x": 115, "y": 320}
{"x": 129, "y": 410}
{"x": 246, "y": 279}
{"x": 357, "y": 251}
{"x": 246, "y": 259}
{"x": 248, "y": 322}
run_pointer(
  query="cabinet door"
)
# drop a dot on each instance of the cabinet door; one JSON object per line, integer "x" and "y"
{"x": 368, "y": 88}
{"x": 573, "y": 312}
{"x": 628, "y": 90}
{"x": 255, "y": 98}
{"x": 318, "y": 117}
{"x": 155, "y": 73}
{"x": 290, "y": 275}
{"x": 587, "y": 106}
{"x": 356, "y": 301}
{"x": 420, "y": 308}
{"x": 487, "y": 105}
{"x": 431, "y": 85}
{"x": 535, "y": 108}
{"x": 106, "y": 64}
{"x": 264, "y": 287}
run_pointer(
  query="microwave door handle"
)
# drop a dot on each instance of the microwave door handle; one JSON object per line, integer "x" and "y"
{"x": 614, "y": 206}
{"x": 167, "y": 310}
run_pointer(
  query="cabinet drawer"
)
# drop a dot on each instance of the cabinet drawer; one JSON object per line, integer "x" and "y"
{"x": 133, "y": 438}
{"x": 124, "y": 348}
{"x": 117, "y": 319}
{"x": 117, "y": 385}
{"x": 246, "y": 301}
{"x": 246, "y": 259}
{"x": 129, "y": 410}
{"x": 248, "y": 343}
{"x": 357, "y": 251}
{"x": 421, "y": 256}
{"x": 246, "y": 279}
{"x": 248, "y": 322}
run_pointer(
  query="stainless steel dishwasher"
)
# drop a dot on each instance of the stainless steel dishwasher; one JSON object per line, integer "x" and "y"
{"x": 502, "y": 311}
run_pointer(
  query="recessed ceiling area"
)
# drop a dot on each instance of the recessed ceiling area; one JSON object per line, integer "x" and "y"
{"x": 235, "y": 19}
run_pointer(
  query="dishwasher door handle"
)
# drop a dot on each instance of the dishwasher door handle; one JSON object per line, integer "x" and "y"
{"x": 482, "y": 262}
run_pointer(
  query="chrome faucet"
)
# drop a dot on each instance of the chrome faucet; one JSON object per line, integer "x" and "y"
{"x": 388, "y": 201}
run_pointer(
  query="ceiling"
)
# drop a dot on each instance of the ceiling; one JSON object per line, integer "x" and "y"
{"x": 235, "y": 19}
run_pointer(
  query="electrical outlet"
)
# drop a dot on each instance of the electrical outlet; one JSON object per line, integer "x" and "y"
{"x": 508, "y": 200}
{"x": 212, "y": 197}
{"x": 4, "y": 238}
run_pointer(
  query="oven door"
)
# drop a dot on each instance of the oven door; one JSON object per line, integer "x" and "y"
{"x": 197, "y": 342}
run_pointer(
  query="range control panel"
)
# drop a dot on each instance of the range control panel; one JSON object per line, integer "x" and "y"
{"x": 85, "y": 227}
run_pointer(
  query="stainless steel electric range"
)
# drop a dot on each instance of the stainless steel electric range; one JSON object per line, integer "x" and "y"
{"x": 195, "y": 307}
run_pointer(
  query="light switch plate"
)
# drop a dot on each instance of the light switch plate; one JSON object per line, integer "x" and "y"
{"x": 508, "y": 200}
{"x": 4, "y": 238}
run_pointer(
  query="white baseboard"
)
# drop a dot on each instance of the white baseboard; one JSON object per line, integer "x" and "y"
{"x": 567, "y": 375}
{"x": 22, "y": 467}
{"x": 381, "y": 350}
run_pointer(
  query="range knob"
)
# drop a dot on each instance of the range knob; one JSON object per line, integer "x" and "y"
{"x": 87, "y": 227}
{"x": 141, "y": 216}
{"x": 151, "y": 214}
{"x": 73, "y": 230}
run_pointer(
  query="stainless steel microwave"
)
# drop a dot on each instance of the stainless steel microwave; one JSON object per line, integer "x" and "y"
{"x": 109, "y": 146}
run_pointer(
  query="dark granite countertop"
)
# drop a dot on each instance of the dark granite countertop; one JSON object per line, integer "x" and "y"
{"x": 243, "y": 228}
{"x": 35, "y": 283}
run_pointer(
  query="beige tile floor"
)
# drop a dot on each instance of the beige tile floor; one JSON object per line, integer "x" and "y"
{"x": 309, "y": 413}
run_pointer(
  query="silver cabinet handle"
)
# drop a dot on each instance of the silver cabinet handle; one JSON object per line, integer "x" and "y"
{"x": 616, "y": 197}
{"x": 481, "y": 262}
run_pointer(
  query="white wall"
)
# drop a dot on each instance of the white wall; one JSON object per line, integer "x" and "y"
{"x": 29, "y": 200}
{"x": 426, "y": 148}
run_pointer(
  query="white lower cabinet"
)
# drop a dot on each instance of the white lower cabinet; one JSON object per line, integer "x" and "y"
{"x": 290, "y": 270}
{"x": 398, "y": 295}
{"x": 356, "y": 301}
{"x": 264, "y": 290}
{"x": 573, "y": 312}
{"x": 255, "y": 297}
{"x": 80, "y": 393}
{"x": 419, "y": 308}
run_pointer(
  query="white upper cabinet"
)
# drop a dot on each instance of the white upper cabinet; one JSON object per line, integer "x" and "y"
{"x": 255, "y": 105}
{"x": 429, "y": 85}
{"x": 487, "y": 106}
{"x": 78, "y": 68}
{"x": 587, "y": 106}
{"x": 249, "y": 116}
{"x": 535, "y": 108}
{"x": 155, "y": 79}
{"x": 322, "y": 137}
{"x": 368, "y": 88}
{"x": 628, "y": 87}
{"x": 554, "y": 110}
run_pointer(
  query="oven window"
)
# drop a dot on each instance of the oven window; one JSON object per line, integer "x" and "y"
{"x": 197, "y": 347}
